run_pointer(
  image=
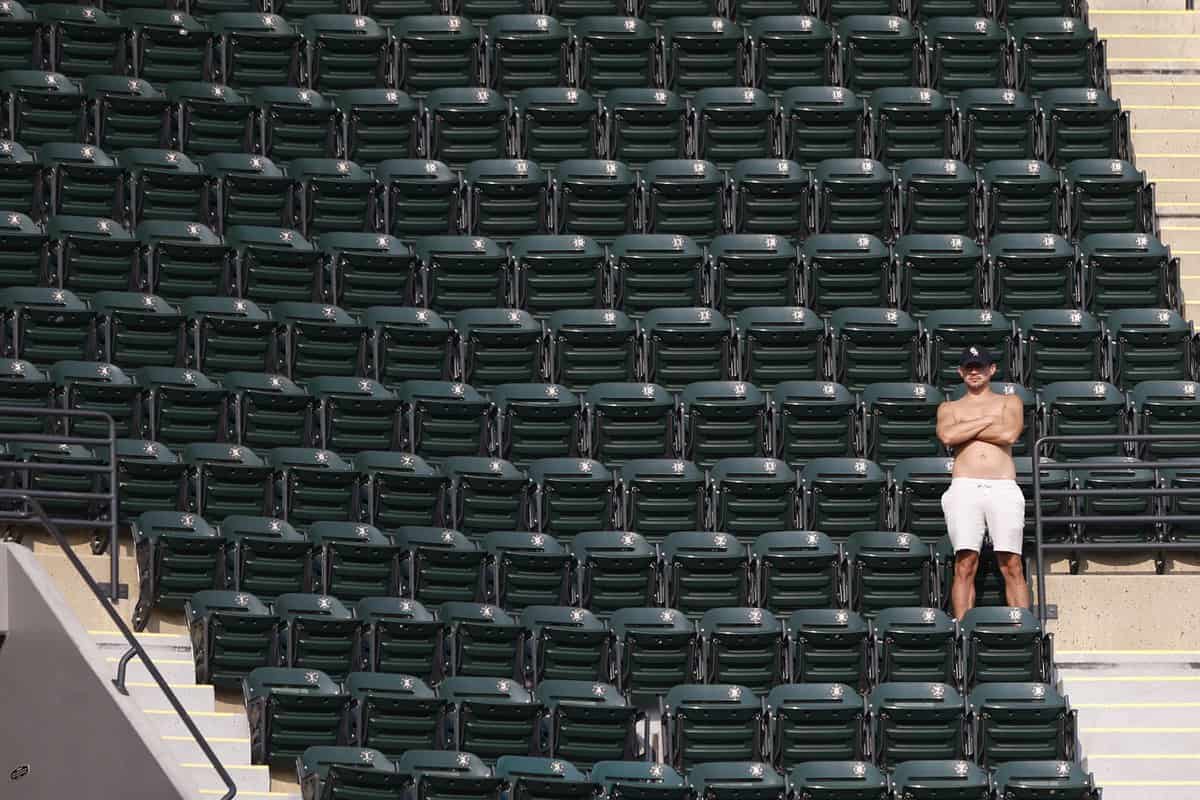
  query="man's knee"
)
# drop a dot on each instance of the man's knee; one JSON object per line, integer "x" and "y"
{"x": 966, "y": 562}
{"x": 1010, "y": 566}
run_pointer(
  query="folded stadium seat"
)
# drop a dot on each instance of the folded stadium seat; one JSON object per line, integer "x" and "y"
{"x": 1060, "y": 345}
{"x": 916, "y": 494}
{"x": 564, "y": 276}
{"x": 587, "y": 722}
{"x": 844, "y": 270}
{"x": 392, "y": 713}
{"x": 313, "y": 485}
{"x": 828, "y": 645}
{"x": 935, "y": 273}
{"x": 710, "y": 723}
{"x": 639, "y": 126}
{"x": 270, "y": 411}
{"x": 752, "y": 270}
{"x": 721, "y": 419}
{"x": 1081, "y": 407}
{"x": 873, "y": 345}
{"x": 1079, "y": 123}
{"x": 990, "y": 588}
{"x": 938, "y": 196}
{"x": 833, "y": 11}
{"x": 376, "y": 124}
{"x": 742, "y": 646}
{"x": 301, "y": 10}
{"x": 1002, "y": 645}
{"x": 167, "y": 45}
{"x": 331, "y": 195}
{"x": 22, "y": 385}
{"x": 522, "y": 51}
{"x": 353, "y": 560}
{"x": 344, "y": 51}
{"x": 487, "y": 494}
{"x": 752, "y": 496}
{"x": 1020, "y": 722}
{"x": 181, "y": 260}
{"x": 439, "y": 773}
{"x": 551, "y": 125}
{"x": 433, "y": 52}
{"x": 1055, "y": 53}
{"x": 20, "y": 175}
{"x": 734, "y": 780}
{"x": 162, "y": 185}
{"x": 831, "y": 780}
{"x": 682, "y": 196}
{"x": 252, "y": 49}
{"x": 795, "y": 570}
{"x": 659, "y": 12}
{"x": 773, "y": 344}
{"x": 768, "y": 196}
{"x": 97, "y": 386}
{"x": 534, "y": 421}
{"x": 657, "y": 270}
{"x": 697, "y": 52}
{"x": 809, "y": 722}
{"x": 1028, "y": 778}
{"x": 355, "y": 414}
{"x": 79, "y": 40}
{"x": 126, "y": 112}
{"x": 43, "y": 326}
{"x": 616, "y": 570}
{"x": 963, "y": 52}
{"x": 852, "y": 195}
{"x": 899, "y": 420}
{"x": 821, "y": 122}
{"x": 785, "y": 49}
{"x": 662, "y": 495}
{"x": 1147, "y": 344}
{"x": 948, "y": 331}
{"x": 915, "y": 645}
{"x": 570, "y": 496}
{"x": 728, "y": 124}
{"x": 41, "y": 107}
{"x": 295, "y": 123}
{"x": 318, "y": 340}
{"x": 398, "y": 488}
{"x": 182, "y": 406}
{"x": 83, "y": 510}
{"x": 843, "y": 495}
{"x": 526, "y": 569}
{"x": 529, "y": 778}
{"x": 1158, "y": 407}
{"x": 266, "y": 556}
{"x": 406, "y": 343}
{"x": 438, "y": 565}
{"x": 232, "y": 633}
{"x": 1113, "y": 472}
{"x": 18, "y": 33}
{"x": 1107, "y": 197}
{"x": 417, "y": 198}
{"x": 905, "y": 123}
{"x": 22, "y": 242}
{"x": 915, "y": 721}
{"x": 90, "y": 254}
{"x": 568, "y": 644}
{"x": 250, "y": 191}
{"x": 150, "y": 477}
{"x": 210, "y": 119}
{"x": 289, "y": 710}
{"x": 610, "y": 51}
{"x": 685, "y": 345}
{"x": 888, "y": 570}
{"x": 493, "y": 718}
{"x": 178, "y": 554}
{"x": 491, "y": 346}
{"x": 656, "y": 650}
{"x": 462, "y": 272}
{"x": 400, "y": 637}
{"x": 995, "y": 124}
{"x": 1032, "y": 271}
{"x": 704, "y": 570}
{"x": 627, "y": 421}
{"x": 137, "y": 330}
{"x": 317, "y": 632}
{"x": 940, "y": 779}
{"x": 1126, "y": 270}
{"x": 440, "y": 419}
{"x": 1023, "y": 197}
{"x": 485, "y": 643}
{"x": 371, "y": 272}
{"x": 228, "y": 480}
{"x": 505, "y": 199}
{"x": 876, "y": 50}
{"x": 593, "y": 199}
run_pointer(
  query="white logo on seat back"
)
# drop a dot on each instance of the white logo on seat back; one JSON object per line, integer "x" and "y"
{"x": 1009, "y": 96}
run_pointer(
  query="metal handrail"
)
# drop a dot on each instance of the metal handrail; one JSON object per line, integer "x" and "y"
{"x": 1039, "y": 522}
{"x": 34, "y": 511}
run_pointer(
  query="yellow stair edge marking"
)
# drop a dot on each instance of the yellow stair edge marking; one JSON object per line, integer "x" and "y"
{"x": 1140, "y": 730}
{"x": 1136, "y": 705}
{"x": 1175, "y": 180}
{"x": 1134, "y": 679}
{"x": 1152, "y": 35}
{"x": 1145, "y": 757}
{"x": 1158, "y": 107}
{"x": 113, "y": 660}
{"x": 192, "y": 713}
{"x": 1151, "y": 60}
{"x": 1151, "y": 783}
{"x": 1156, "y": 83}
{"x": 1142, "y": 12}
{"x": 1168, "y": 155}
{"x": 1179, "y": 227}
{"x": 1167, "y": 130}
{"x": 143, "y": 684}
{"x": 1159, "y": 652}
{"x": 1180, "y": 203}
{"x": 224, "y": 739}
{"x": 206, "y": 765}
{"x": 1188, "y": 253}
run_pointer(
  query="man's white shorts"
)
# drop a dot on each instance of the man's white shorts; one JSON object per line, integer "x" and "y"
{"x": 972, "y": 505}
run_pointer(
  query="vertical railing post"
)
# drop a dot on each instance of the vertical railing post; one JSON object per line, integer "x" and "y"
{"x": 1039, "y": 559}
{"x": 114, "y": 589}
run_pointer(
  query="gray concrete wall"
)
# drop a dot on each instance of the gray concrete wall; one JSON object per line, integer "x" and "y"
{"x": 59, "y": 713}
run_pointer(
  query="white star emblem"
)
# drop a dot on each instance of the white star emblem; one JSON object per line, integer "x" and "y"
{"x": 171, "y": 157}
{"x": 627, "y": 540}
{"x": 422, "y": 316}
{"x": 64, "y": 447}
{"x": 360, "y": 22}
{"x": 585, "y": 466}
{"x": 551, "y": 391}
{"x": 275, "y": 381}
{"x": 678, "y": 467}
{"x": 494, "y": 466}
{"x": 521, "y": 167}
{"x": 718, "y": 25}
{"x": 6, "y": 147}
{"x": 811, "y": 539}
{"x": 1164, "y": 316}
{"x": 218, "y": 91}
{"x": 464, "y": 760}
{"x": 103, "y": 371}
{"x": 981, "y": 26}
{"x": 324, "y": 603}
{"x": 453, "y": 23}
{"x": 303, "y": 95}
{"x": 239, "y": 305}
{"x": 698, "y": 167}
{"x": 937, "y": 690}
{"x": 660, "y": 97}
{"x": 89, "y": 13}
{"x": 514, "y": 316}
{"x": 256, "y": 163}
{"x": 366, "y": 756}
{"x": 598, "y": 689}
{"x": 481, "y": 96}
{"x": 478, "y": 244}
{"x": 902, "y": 539}
{"x": 1039, "y": 691}
{"x": 274, "y": 526}
{"x": 381, "y": 241}
{"x": 665, "y": 616}
{"x": 648, "y": 390}
{"x": 286, "y": 236}
{"x": 704, "y": 315}
{"x": 841, "y": 618}
{"x": 242, "y": 600}
{"x": 235, "y": 452}
{"x": 312, "y": 677}
{"x": 18, "y": 367}
{"x": 362, "y": 532}
{"x": 104, "y": 225}
{"x": 1076, "y": 317}
{"x": 860, "y": 466}
{"x": 542, "y": 23}
{"x": 457, "y": 390}
{"x": 1063, "y": 769}
{"x": 1014, "y": 614}
{"x": 836, "y": 691}
{"x": 133, "y": 85}
{"x": 656, "y": 771}
{"x": 52, "y": 80}
{"x": 769, "y": 466}
{"x": 14, "y": 219}
{"x": 406, "y": 461}
{"x": 321, "y": 457}
{"x": 720, "y": 539}
{"x": 1033, "y": 168}
{"x": 755, "y": 615}
{"x": 828, "y": 388}
{"x": 537, "y": 540}
{"x": 735, "y": 693}
{"x": 838, "y": 94}
{"x": 502, "y": 686}
{"x": 860, "y": 769}
{"x": 189, "y": 377}
{"x": 486, "y": 612}
{"x": 557, "y": 766}
{"x": 928, "y": 615}
{"x": 1098, "y": 389}
{"x": 343, "y": 167}
{"x": 578, "y": 243}
{"x": 960, "y": 768}
{"x": 187, "y": 520}
{"x": 150, "y": 449}
{"x": 329, "y": 312}
{"x": 1009, "y": 96}
{"x": 392, "y": 97}
{"x": 891, "y": 316}
{"x": 756, "y": 770}
{"x": 576, "y": 615}
{"x": 147, "y": 301}
{"x": 364, "y": 385}
{"x": 269, "y": 21}
{"x": 894, "y": 23}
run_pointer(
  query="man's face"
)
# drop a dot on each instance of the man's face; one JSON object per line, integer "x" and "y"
{"x": 976, "y": 376}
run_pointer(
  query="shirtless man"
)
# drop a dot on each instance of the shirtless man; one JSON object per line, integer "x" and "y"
{"x": 980, "y": 428}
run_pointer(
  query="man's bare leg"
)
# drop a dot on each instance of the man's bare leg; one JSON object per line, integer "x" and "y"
{"x": 962, "y": 594}
{"x": 1015, "y": 588}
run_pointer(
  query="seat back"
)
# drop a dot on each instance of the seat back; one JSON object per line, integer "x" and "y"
{"x": 1031, "y": 271}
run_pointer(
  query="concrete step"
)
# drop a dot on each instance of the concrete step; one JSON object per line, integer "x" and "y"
{"x": 1143, "y": 790}
{"x": 232, "y": 751}
{"x": 174, "y": 670}
{"x": 1170, "y": 714}
{"x": 218, "y": 724}
{"x": 1119, "y": 767}
{"x": 248, "y": 777}
{"x": 164, "y": 645}
{"x": 193, "y": 696}
{"x": 1142, "y": 738}
{"x": 1133, "y": 24}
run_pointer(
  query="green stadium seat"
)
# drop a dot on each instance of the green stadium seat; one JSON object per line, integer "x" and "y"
{"x": 1160, "y": 407}
{"x": 270, "y": 411}
{"x": 137, "y": 330}
{"x": 751, "y": 496}
{"x": 888, "y": 570}
{"x": 812, "y": 722}
{"x": 1001, "y": 644}
{"x": 551, "y": 125}
{"x": 82, "y": 510}
{"x": 319, "y": 340}
{"x": 266, "y": 556}
{"x": 43, "y": 326}
{"x": 995, "y": 124}
{"x": 398, "y": 487}
{"x": 661, "y": 495}
{"x": 853, "y": 195}
{"x": 1107, "y": 197}
{"x": 876, "y": 50}
{"x": 535, "y": 421}
{"x": 252, "y": 49}
{"x": 527, "y": 569}
{"x": 432, "y": 774}
{"x": 522, "y": 51}
{"x": 703, "y": 570}
{"x": 1060, "y": 345}
{"x": 1055, "y": 52}
{"x": 229, "y": 480}
{"x": 652, "y": 271}
{"x": 940, "y": 779}
{"x": 611, "y": 51}
{"x": 643, "y": 125}
{"x": 938, "y": 272}
{"x": 948, "y": 331}
{"x": 915, "y": 645}
{"x": 486, "y": 643}
{"x": 937, "y": 196}
{"x": 844, "y": 270}
{"x": 181, "y": 260}
{"x": 486, "y": 494}
{"x": 1053, "y": 477}
{"x": 23, "y": 385}
{"x": 821, "y": 122}
{"x": 295, "y": 123}
{"x": 916, "y": 495}
{"x": 900, "y": 421}
{"x": 685, "y": 345}
{"x": 494, "y": 718}
{"x": 377, "y": 124}
{"x": 182, "y": 406}
{"x": 463, "y": 125}
{"x": 915, "y": 721}
{"x": 150, "y": 477}
{"x": 210, "y": 118}
{"x": 593, "y": 198}
{"x": 626, "y": 421}
{"x": 41, "y": 107}
{"x": 559, "y": 275}
{"x": 710, "y": 723}
{"x": 400, "y": 637}
{"x": 433, "y": 52}
{"x": 332, "y": 195}
{"x": 98, "y": 387}
{"x": 656, "y": 650}
{"x": 290, "y": 710}
{"x": 406, "y": 343}
{"x": 832, "y": 780}
{"x": 963, "y": 52}
{"x": 728, "y": 124}
{"x": 346, "y": 771}
{"x": 317, "y": 632}
{"x": 795, "y": 570}
{"x": 178, "y": 554}
{"x": 786, "y": 49}
{"x": 126, "y": 112}
{"x": 18, "y": 34}
{"x": 1126, "y": 270}
{"x": 908, "y": 123}
{"x": 232, "y": 633}
{"x": 812, "y": 419}
{"x": 355, "y": 414}
{"x": 724, "y": 419}
{"x": 873, "y": 345}
{"x": 462, "y": 272}
{"x": 1081, "y": 408}
{"x": 1086, "y": 125}
{"x": 587, "y": 722}
{"x": 506, "y": 199}
{"x": 1013, "y": 10}
{"x": 1028, "y": 779}
{"x": 751, "y": 270}
{"x": 1148, "y": 344}
{"x": 658, "y": 12}
{"x": 742, "y": 646}
{"x": 698, "y": 52}
{"x": 1109, "y": 472}
{"x": 843, "y": 495}
{"x": 78, "y": 40}
{"x": 250, "y": 190}
{"x": 773, "y": 344}
{"x": 439, "y": 565}
{"x": 543, "y": 779}
{"x": 1034, "y": 271}
{"x": 737, "y": 780}
{"x": 353, "y": 560}
{"x": 1022, "y": 197}
{"x": 344, "y": 52}
{"x": 166, "y": 45}
{"x": 162, "y": 185}
{"x": 768, "y": 196}
{"x": 440, "y": 419}
{"x": 1020, "y": 722}
{"x": 22, "y": 242}
{"x": 417, "y": 198}
{"x": 370, "y": 270}
{"x": 563, "y": 643}
{"x": 682, "y": 196}
{"x": 313, "y": 485}
{"x": 828, "y": 645}
{"x": 615, "y": 570}
{"x": 90, "y": 254}
{"x": 570, "y": 496}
